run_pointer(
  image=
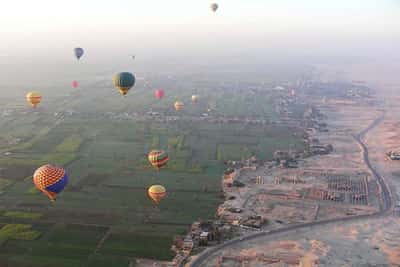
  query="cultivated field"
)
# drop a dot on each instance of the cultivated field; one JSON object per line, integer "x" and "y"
{"x": 104, "y": 216}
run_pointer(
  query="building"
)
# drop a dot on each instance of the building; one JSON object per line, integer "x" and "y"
{"x": 188, "y": 244}
{"x": 204, "y": 237}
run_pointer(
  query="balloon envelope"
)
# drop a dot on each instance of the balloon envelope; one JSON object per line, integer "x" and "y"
{"x": 178, "y": 105}
{"x": 34, "y": 98}
{"x": 78, "y": 52}
{"x": 75, "y": 84}
{"x": 124, "y": 81}
{"x": 214, "y": 7}
{"x": 51, "y": 180}
{"x": 195, "y": 98}
{"x": 157, "y": 193}
{"x": 158, "y": 158}
{"x": 159, "y": 93}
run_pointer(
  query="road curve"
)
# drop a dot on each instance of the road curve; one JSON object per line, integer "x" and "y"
{"x": 386, "y": 207}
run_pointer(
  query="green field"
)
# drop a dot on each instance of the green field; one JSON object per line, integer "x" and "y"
{"x": 18, "y": 231}
{"x": 105, "y": 156}
{"x": 22, "y": 215}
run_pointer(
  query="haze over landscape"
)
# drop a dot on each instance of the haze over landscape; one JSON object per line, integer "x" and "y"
{"x": 172, "y": 33}
{"x": 249, "y": 133}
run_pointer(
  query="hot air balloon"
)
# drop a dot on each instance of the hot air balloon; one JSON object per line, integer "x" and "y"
{"x": 124, "y": 81}
{"x": 50, "y": 180}
{"x": 195, "y": 98}
{"x": 178, "y": 105}
{"x": 159, "y": 93}
{"x": 157, "y": 193}
{"x": 214, "y": 7}
{"x": 34, "y": 98}
{"x": 78, "y": 52}
{"x": 75, "y": 84}
{"x": 158, "y": 158}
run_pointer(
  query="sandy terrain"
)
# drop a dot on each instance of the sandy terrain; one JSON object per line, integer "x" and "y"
{"x": 372, "y": 243}
{"x": 291, "y": 202}
{"x": 376, "y": 243}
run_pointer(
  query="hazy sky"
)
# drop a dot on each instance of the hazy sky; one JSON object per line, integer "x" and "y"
{"x": 79, "y": 19}
{"x": 37, "y": 36}
{"x": 163, "y": 25}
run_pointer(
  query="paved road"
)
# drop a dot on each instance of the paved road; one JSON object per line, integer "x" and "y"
{"x": 385, "y": 208}
{"x": 385, "y": 193}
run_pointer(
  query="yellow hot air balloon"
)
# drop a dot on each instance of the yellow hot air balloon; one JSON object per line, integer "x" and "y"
{"x": 178, "y": 105}
{"x": 34, "y": 98}
{"x": 195, "y": 98}
{"x": 157, "y": 193}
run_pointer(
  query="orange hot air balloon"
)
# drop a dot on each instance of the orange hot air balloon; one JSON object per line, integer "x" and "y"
{"x": 178, "y": 105}
{"x": 157, "y": 193}
{"x": 34, "y": 98}
{"x": 51, "y": 180}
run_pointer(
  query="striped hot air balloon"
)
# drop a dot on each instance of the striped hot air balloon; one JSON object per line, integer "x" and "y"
{"x": 157, "y": 193}
{"x": 124, "y": 81}
{"x": 34, "y": 98}
{"x": 178, "y": 105}
{"x": 51, "y": 180}
{"x": 158, "y": 158}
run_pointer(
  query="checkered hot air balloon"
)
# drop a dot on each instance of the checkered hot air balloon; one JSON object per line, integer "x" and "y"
{"x": 158, "y": 158}
{"x": 157, "y": 193}
{"x": 51, "y": 180}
